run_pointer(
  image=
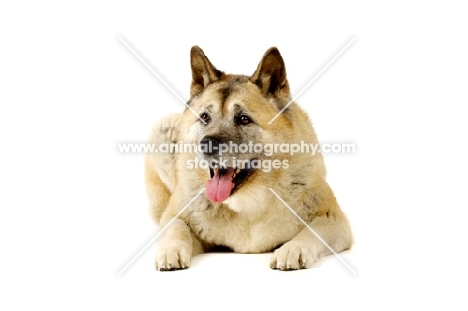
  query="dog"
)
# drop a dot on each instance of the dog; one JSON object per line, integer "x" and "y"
{"x": 248, "y": 200}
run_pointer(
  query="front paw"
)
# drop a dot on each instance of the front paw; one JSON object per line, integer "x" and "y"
{"x": 173, "y": 258}
{"x": 293, "y": 256}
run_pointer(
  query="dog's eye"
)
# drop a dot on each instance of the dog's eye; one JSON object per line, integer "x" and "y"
{"x": 243, "y": 120}
{"x": 205, "y": 117}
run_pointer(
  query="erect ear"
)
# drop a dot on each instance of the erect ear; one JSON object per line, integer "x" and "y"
{"x": 270, "y": 75}
{"x": 203, "y": 71}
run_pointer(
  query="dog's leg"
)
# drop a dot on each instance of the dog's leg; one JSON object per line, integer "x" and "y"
{"x": 305, "y": 248}
{"x": 176, "y": 246}
{"x": 157, "y": 191}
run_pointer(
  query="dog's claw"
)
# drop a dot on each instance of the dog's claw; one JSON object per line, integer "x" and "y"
{"x": 292, "y": 256}
{"x": 172, "y": 258}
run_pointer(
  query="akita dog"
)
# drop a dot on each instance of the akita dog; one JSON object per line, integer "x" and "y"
{"x": 236, "y": 198}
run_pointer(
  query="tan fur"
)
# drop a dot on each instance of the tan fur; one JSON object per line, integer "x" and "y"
{"x": 252, "y": 220}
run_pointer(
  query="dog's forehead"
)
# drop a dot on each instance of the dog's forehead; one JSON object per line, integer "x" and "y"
{"x": 220, "y": 96}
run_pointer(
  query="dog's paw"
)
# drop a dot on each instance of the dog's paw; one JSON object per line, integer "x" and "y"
{"x": 172, "y": 258}
{"x": 293, "y": 256}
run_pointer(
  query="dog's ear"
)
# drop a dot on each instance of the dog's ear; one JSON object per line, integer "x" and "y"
{"x": 203, "y": 71}
{"x": 270, "y": 75}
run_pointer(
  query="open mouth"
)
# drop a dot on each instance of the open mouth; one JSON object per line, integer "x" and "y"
{"x": 225, "y": 181}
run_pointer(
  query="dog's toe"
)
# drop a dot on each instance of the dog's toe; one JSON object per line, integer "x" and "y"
{"x": 292, "y": 256}
{"x": 173, "y": 258}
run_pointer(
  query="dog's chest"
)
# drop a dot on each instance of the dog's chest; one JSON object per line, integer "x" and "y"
{"x": 243, "y": 233}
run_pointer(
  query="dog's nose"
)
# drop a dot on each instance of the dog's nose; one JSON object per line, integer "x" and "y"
{"x": 210, "y": 145}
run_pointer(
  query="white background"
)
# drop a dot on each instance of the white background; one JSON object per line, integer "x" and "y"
{"x": 74, "y": 210}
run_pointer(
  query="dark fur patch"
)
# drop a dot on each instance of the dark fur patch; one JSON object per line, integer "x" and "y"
{"x": 228, "y": 88}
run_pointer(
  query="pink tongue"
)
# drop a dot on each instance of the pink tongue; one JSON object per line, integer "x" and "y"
{"x": 219, "y": 187}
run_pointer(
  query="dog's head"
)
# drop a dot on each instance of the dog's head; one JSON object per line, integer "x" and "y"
{"x": 234, "y": 112}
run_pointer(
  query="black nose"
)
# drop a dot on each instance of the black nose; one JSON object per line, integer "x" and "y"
{"x": 209, "y": 145}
